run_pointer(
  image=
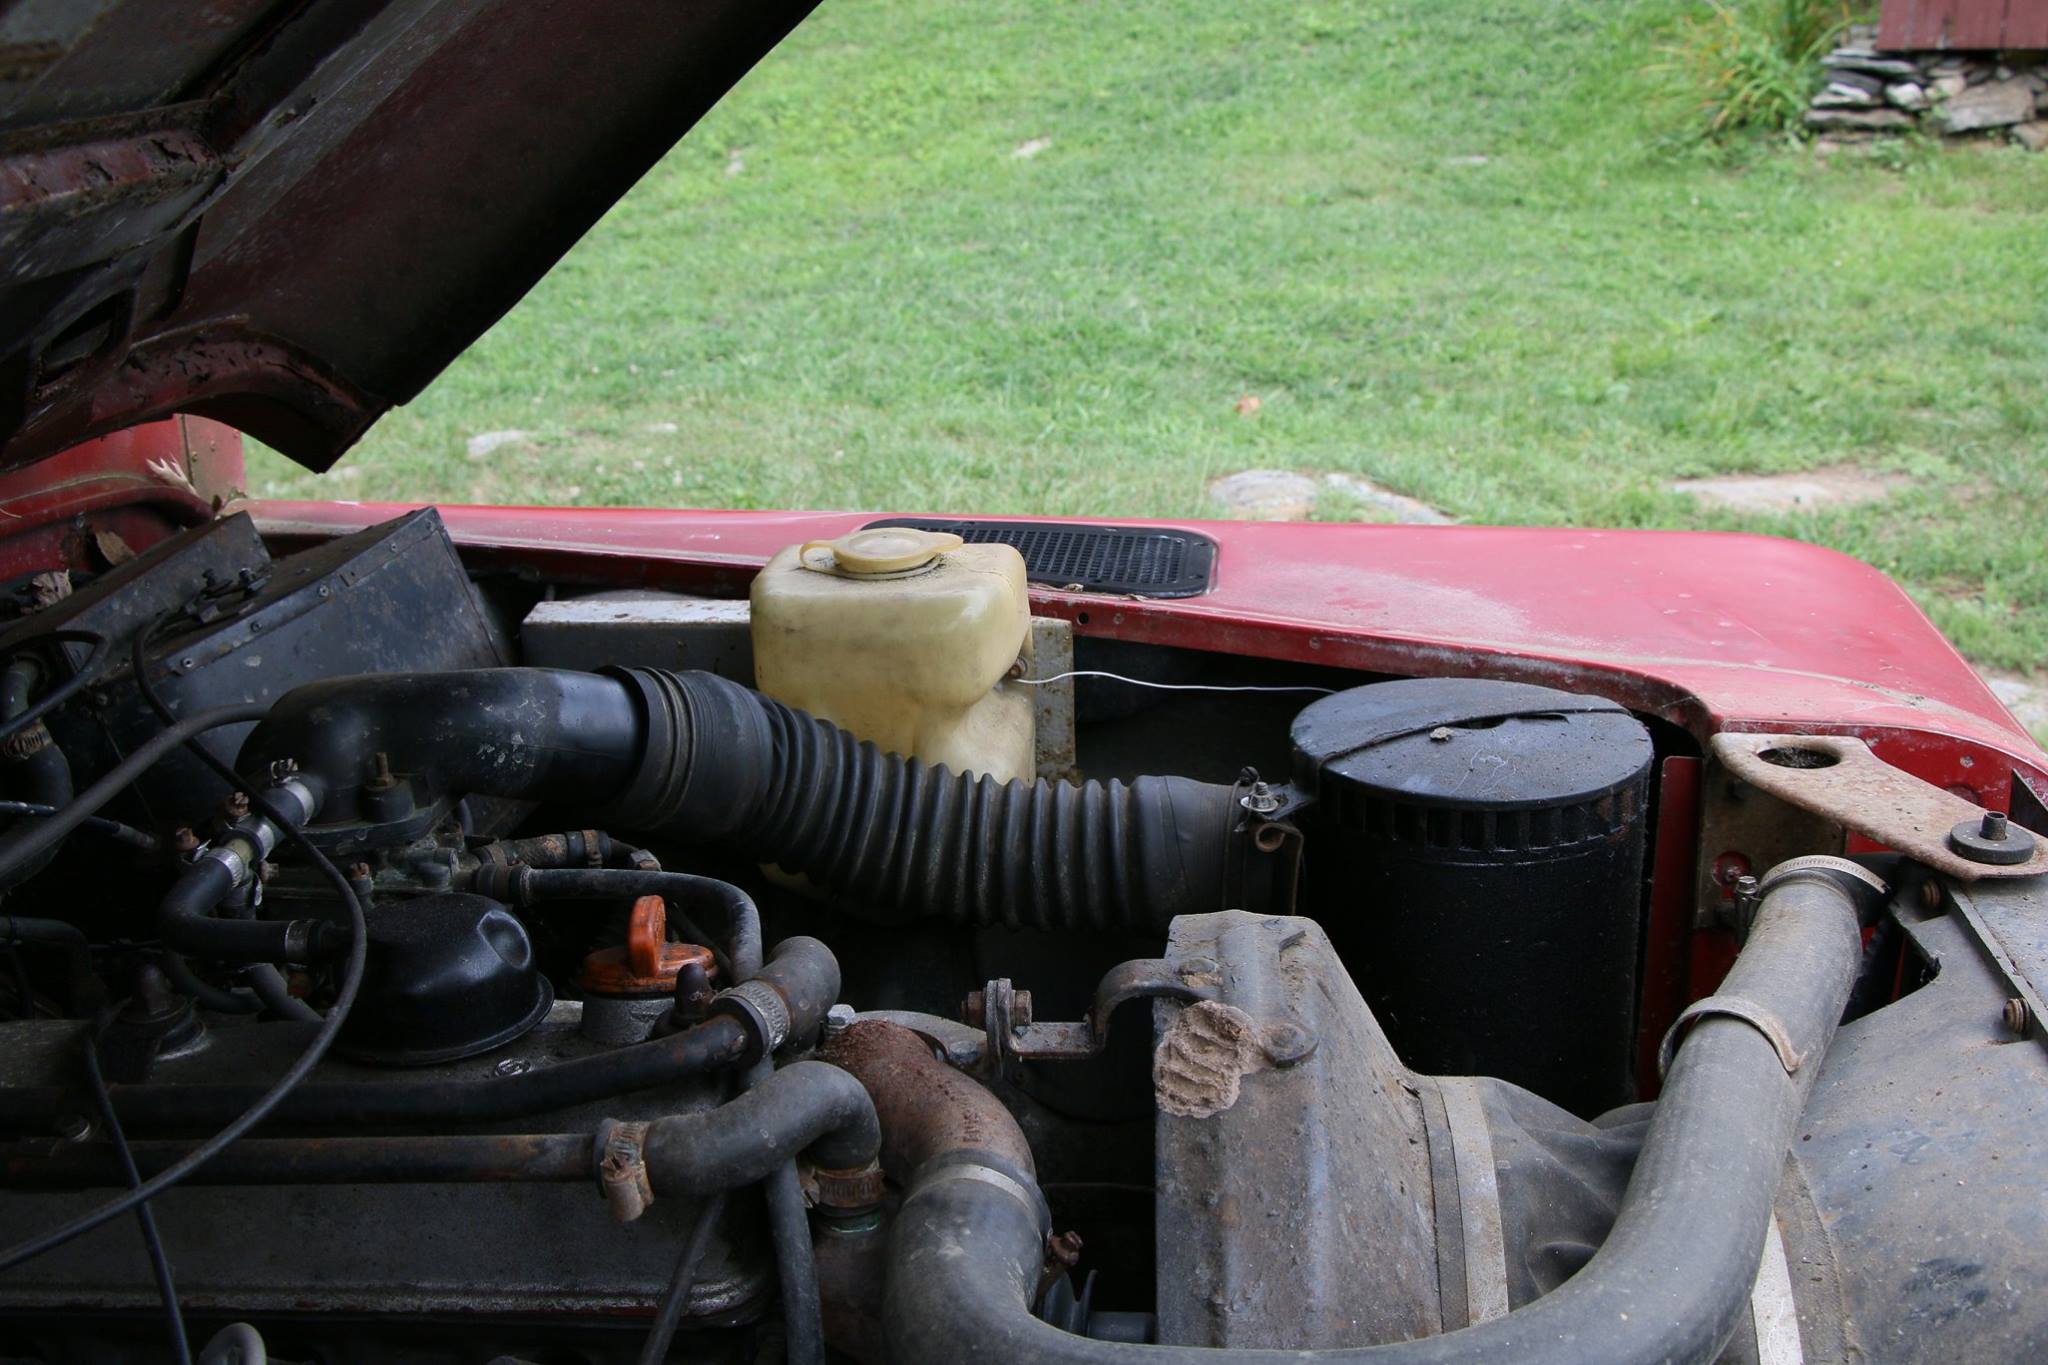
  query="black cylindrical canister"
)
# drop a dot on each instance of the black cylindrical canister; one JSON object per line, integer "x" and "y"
{"x": 1476, "y": 855}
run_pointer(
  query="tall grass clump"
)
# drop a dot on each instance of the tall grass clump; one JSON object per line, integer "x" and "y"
{"x": 1752, "y": 65}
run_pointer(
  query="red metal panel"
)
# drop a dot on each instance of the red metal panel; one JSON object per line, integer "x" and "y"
{"x": 1667, "y": 935}
{"x": 1962, "y": 25}
{"x": 140, "y": 484}
{"x": 2026, "y": 25}
{"x": 1977, "y": 23}
{"x": 1712, "y": 631}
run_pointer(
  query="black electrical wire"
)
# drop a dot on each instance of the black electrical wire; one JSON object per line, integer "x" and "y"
{"x": 19, "y": 846}
{"x": 95, "y": 664}
{"x": 673, "y": 1303}
{"x": 159, "y": 1264}
{"x": 351, "y": 972}
{"x": 98, "y": 824}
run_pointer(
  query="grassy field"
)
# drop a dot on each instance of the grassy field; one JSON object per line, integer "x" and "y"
{"x": 1461, "y": 248}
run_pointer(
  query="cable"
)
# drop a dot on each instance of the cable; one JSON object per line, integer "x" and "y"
{"x": 159, "y": 1264}
{"x": 673, "y": 1303}
{"x": 98, "y": 824}
{"x": 351, "y": 979}
{"x": 19, "y": 846}
{"x": 95, "y": 663}
{"x": 1163, "y": 687}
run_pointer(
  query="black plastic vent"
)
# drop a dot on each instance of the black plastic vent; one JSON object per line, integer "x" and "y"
{"x": 1134, "y": 560}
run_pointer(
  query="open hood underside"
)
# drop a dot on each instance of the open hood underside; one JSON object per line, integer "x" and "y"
{"x": 292, "y": 214}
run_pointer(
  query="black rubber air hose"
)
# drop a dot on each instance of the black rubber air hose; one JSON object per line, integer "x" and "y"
{"x": 1667, "y": 1287}
{"x": 32, "y": 767}
{"x": 700, "y": 758}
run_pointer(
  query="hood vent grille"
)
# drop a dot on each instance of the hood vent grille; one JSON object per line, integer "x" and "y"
{"x": 1136, "y": 561}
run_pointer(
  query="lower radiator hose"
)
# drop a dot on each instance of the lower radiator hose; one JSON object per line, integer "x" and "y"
{"x": 1667, "y": 1287}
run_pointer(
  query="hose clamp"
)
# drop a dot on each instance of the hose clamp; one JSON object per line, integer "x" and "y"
{"x": 1032, "y": 1202}
{"x": 229, "y": 857}
{"x": 1731, "y": 1007}
{"x": 621, "y": 1151}
{"x": 762, "y": 1009}
{"x": 23, "y": 745}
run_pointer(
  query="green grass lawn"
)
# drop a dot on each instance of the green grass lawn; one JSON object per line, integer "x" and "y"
{"x": 846, "y": 290}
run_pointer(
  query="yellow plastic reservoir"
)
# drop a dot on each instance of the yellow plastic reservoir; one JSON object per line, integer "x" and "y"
{"x": 906, "y": 638}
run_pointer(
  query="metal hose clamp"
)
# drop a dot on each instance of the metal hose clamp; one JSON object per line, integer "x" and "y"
{"x": 1731, "y": 1007}
{"x": 762, "y": 1009}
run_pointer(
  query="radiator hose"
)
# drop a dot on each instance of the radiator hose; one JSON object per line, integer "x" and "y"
{"x": 700, "y": 758}
{"x": 1667, "y": 1287}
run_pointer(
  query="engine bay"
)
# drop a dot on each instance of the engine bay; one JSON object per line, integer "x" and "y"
{"x": 408, "y": 963}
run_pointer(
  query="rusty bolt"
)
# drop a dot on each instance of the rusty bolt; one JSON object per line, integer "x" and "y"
{"x": 1930, "y": 895}
{"x": 1020, "y": 1008}
{"x": 184, "y": 840}
{"x": 974, "y": 1008}
{"x": 359, "y": 872}
{"x": 237, "y": 805}
{"x": 1063, "y": 1249}
{"x": 1992, "y": 826}
{"x": 2016, "y": 1015}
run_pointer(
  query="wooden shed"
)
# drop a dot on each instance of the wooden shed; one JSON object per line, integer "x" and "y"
{"x": 1963, "y": 25}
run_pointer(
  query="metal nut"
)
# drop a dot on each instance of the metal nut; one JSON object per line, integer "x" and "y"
{"x": 2016, "y": 1015}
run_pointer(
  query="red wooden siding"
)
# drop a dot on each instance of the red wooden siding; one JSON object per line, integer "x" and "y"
{"x": 1962, "y": 25}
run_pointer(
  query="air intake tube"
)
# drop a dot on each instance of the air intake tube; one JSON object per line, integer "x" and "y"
{"x": 700, "y": 758}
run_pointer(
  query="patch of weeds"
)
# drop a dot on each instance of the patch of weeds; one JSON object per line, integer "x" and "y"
{"x": 1752, "y": 65}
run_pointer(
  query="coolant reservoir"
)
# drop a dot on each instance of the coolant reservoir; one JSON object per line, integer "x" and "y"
{"x": 906, "y": 638}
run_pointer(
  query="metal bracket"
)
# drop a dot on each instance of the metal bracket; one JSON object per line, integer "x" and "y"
{"x": 1841, "y": 780}
{"x": 1004, "y": 1013}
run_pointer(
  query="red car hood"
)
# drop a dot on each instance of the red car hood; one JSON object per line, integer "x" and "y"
{"x": 292, "y": 214}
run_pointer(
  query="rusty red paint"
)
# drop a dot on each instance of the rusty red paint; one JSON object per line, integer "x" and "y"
{"x": 74, "y": 177}
{"x": 142, "y": 484}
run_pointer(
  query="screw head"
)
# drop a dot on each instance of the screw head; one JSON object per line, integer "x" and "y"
{"x": 2015, "y": 1015}
{"x": 1287, "y": 1042}
{"x": 838, "y": 1020}
{"x": 73, "y": 1127}
{"x": 1440, "y": 735}
{"x": 513, "y": 1066}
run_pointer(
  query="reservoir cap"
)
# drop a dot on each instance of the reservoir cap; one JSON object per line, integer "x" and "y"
{"x": 878, "y": 550}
